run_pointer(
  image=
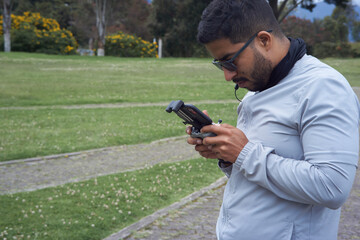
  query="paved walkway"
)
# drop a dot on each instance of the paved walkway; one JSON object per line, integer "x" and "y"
{"x": 51, "y": 171}
{"x": 113, "y": 105}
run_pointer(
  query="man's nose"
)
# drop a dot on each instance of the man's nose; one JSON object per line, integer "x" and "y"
{"x": 229, "y": 75}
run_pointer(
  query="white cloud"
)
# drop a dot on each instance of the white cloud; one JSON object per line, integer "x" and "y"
{"x": 355, "y": 2}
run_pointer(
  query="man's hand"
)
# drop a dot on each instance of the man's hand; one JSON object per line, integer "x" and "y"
{"x": 198, "y": 142}
{"x": 227, "y": 145}
{"x": 202, "y": 149}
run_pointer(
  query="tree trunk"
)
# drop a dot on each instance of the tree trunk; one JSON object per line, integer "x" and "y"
{"x": 100, "y": 24}
{"x": 7, "y": 25}
{"x": 282, "y": 10}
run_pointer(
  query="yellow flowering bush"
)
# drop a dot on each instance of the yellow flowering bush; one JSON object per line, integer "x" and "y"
{"x": 33, "y": 33}
{"x": 125, "y": 45}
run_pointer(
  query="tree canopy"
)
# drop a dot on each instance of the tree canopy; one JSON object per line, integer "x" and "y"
{"x": 175, "y": 21}
{"x": 282, "y": 8}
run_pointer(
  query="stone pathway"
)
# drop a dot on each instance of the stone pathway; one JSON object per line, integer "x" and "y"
{"x": 196, "y": 220}
{"x": 113, "y": 105}
{"x": 57, "y": 170}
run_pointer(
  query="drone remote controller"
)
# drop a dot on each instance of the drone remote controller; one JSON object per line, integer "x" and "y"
{"x": 191, "y": 115}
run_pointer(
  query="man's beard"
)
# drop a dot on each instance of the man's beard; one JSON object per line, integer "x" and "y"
{"x": 262, "y": 69}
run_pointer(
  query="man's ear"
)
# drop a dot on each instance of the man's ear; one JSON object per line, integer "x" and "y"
{"x": 265, "y": 40}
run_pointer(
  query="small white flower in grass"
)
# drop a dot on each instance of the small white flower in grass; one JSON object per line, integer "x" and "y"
{"x": 129, "y": 212}
{"x": 93, "y": 225}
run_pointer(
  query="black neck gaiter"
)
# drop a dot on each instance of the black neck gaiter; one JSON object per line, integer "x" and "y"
{"x": 296, "y": 51}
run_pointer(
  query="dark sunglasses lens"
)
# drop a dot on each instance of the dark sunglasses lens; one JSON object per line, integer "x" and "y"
{"x": 218, "y": 65}
{"x": 229, "y": 66}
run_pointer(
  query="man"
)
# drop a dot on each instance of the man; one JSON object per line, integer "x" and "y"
{"x": 292, "y": 159}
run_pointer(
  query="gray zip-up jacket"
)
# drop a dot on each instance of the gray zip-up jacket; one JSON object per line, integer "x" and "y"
{"x": 291, "y": 179}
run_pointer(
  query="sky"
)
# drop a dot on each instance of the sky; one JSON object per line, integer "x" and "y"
{"x": 320, "y": 11}
{"x": 356, "y": 2}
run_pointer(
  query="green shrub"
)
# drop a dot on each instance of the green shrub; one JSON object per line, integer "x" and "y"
{"x": 124, "y": 45}
{"x": 33, "y": 33}
{"x": 330, "y": 49}
{"x": 355, "y": 47}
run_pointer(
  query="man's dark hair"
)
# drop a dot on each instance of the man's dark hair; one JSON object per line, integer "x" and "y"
{"x": 236, "y": 20}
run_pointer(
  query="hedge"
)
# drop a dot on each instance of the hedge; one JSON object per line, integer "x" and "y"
{"x": 32, "y": 33}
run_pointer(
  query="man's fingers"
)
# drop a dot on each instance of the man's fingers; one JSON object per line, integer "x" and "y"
{"x": 216, "y": 128}
{"x": 194, "y": 141}
{"x": 202, "y": 148}
{"x": 188, "y": 130}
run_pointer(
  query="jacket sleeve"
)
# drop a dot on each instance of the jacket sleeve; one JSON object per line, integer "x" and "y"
{"x": 329, "y": 134}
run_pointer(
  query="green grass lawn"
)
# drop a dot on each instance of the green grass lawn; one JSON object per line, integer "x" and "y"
{"x": 47, "y": 80}
{"x": 96, "y": 208}
{"x": 31, "y": 133}
{"x": 350, "y": 68}
{"x": 37, "y": 79}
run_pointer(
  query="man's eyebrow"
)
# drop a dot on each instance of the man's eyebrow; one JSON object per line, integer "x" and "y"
{"x": 225, "y": 57}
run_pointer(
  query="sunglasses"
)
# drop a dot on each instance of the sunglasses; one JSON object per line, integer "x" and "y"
{"x": 229, "y": 64}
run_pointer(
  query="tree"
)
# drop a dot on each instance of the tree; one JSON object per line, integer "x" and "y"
{"x": 295, "y": 27}
{"x": 176, "y": 23}
{"x": 283, "y": 8}
{"x": 100, "y": 10}
{"x": 7, "y": 25}
{"x": 163, "y": 17}
{"x": 129, "y": 16}
{"x": 61, "y": 10}
{"x": 355, "y": 33}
